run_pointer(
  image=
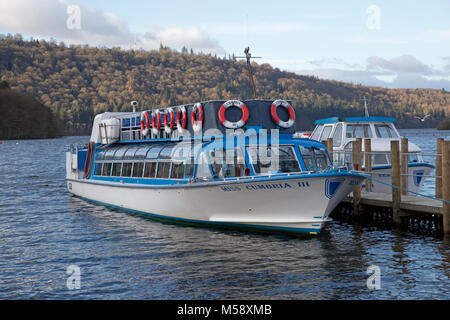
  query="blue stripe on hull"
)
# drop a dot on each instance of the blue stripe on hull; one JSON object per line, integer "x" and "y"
{"x": 303, "y": 231}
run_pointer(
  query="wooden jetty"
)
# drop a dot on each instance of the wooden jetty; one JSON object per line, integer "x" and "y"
{"x": 399, "y": 208}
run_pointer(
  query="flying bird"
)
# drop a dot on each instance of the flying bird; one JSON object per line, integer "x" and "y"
{"x": 424, "y": 118}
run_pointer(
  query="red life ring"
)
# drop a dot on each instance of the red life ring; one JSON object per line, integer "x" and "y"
{"x": 276, "y": 119}
{"x": 169, "y": 126}
{"x": 181, "y": 113}
{"x": 144, "y": 125}
{"x": 156, "y": 122}
{"x": 197, "y": 124}
{"x": 238, "y": 124}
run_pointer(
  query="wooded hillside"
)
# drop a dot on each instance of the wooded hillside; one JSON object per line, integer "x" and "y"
{"x": 78, "y": 82}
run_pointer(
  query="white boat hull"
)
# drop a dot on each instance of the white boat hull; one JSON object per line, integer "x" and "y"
{"x": 290, "y": 204}
{"x": 416, "y": 178}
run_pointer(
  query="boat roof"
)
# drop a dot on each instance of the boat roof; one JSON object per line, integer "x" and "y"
{"x": 354, "y": 119}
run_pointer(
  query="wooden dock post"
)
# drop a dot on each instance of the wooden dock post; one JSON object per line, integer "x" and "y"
{"x": 356, "y": 151}
{"x": 404, "y": 165}
{"x": 438, "y": 166}
{"x": 368, "y": 162}
{"x": 446, "y": 186}
{"x": 396, "y": 193}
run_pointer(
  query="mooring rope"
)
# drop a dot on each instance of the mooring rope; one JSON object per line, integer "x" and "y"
{"x": 403, "y": 189}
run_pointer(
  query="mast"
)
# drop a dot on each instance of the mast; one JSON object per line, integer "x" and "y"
{"x": 366, "y": 109}
{"x": 248, "y": 56}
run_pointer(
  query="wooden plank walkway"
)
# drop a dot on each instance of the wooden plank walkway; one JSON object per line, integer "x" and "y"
{"x": 415, "y": 205}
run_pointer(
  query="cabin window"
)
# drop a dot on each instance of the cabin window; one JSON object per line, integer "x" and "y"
{"x": 120, "y": 153}
{"x": 317, "y": 132}
{"x": 163, "y": 170}
{"x": 385, "y": 131}
{"x": 130, "y": 153}
{"x": 126, "y": 169}
{"x": 358, "y": 131}
{"x": 99, "y": 169}
{"x": 273, "y": 160}
{"x": 153, "y": 153}
{"x": 116, "y": 169}
{"x": 315, "y": 158}
{"x": 106, "y": 169}
{"x": 101, "y": 155}
{"x": 379, "y": 158}
{"x": 137, "y": 169}
{"x": 166, "y": 153}
{"x": 177, "y": 171}
{"x": 203, "y": 171}
{"x": 415, "y": 157}
{"x": 337, "y": 135}
{"x": 109, "y": 154}
{"x": 141, "y": 153}
{"x": 189, "y": 170}
{"x": 150, "y": 169}
{"x": 227, "y": 163}
{"x": 326, "y": 133}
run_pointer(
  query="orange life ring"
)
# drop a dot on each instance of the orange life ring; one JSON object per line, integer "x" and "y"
{"x": 238, "y": 124}
{"x": 276, "y": 118}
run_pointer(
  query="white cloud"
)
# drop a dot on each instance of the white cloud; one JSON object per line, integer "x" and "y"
{"x": 434, "y": 35}
{"x": 257, "y": 28}
{"x": 404, "y": 63}
{"x": 48, "y": 18}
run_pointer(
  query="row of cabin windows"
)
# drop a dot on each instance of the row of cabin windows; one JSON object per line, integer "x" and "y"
{"x": 353, "y": 131}
{"x": 161, "y": 170}
{"x": 224, "y": 164}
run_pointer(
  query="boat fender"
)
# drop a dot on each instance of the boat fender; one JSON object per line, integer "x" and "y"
{"x": 238, "y": 124}
{"x": 183, "y": 115}
{"x": 156, "y": 122}
{"x": 145, "y": 125}
{"x": 197, "y": 124}
{"x": 276, "y": 119}
{"x": 169, "y": 126}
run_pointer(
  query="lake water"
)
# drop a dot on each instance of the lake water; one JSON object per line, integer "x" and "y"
{"x": 44, "y": 230}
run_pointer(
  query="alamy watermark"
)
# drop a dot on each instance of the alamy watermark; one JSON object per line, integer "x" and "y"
{"x": 74, "y": 280}
{"x": 373, "y": 22}
{"x": 374, "y": 280}
{"x": 73, "y": 22}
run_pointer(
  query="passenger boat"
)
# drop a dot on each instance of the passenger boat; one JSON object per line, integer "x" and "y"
{"x": 234, "y": 164}
{"x": 381, "y": 131}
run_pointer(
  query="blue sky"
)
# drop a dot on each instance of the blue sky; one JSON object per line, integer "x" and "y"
{"x": 385, "y": 43}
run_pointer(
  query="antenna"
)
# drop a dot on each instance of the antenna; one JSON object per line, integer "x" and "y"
{"x": 248, "y": 56}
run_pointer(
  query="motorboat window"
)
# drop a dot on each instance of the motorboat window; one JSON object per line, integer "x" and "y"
{"x": 109, "y": 154}
{"x": 130, "y": 153}
{"x": 358, "y": 131}
{"x": 99, "y": 169}
{"x": 384, "y": 131}
{"x": 315, "y": 158}
{"x": 316, "y": 134}
{"x": 280, "y": 159}
{"x": 120, "y": 153}
{"x": 415, "y": 157}
{"x": 337, "y": 135}
{"x": 177, "y": 171}
{"x": 163, "y": 170}
{"x": 166, "y": 153}
{"x": 150, "y": 169}
{"x": 116, "y": 169}
{"x": 106, "y": 171}
{"x": 138, "y": 168}
{"x": 227, "y": 163}
{"x": 153, "y": 153}
{"x": 326, "y": 133}
{"x": 141, "y": 153}
{"x": 101, "y": 155}
{"x": 126, "y": 169}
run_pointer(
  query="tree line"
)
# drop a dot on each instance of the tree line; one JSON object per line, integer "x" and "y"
{"x": 78, "y": 81}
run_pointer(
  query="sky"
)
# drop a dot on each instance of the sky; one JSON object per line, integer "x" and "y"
{"x": 395, "y": 44}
